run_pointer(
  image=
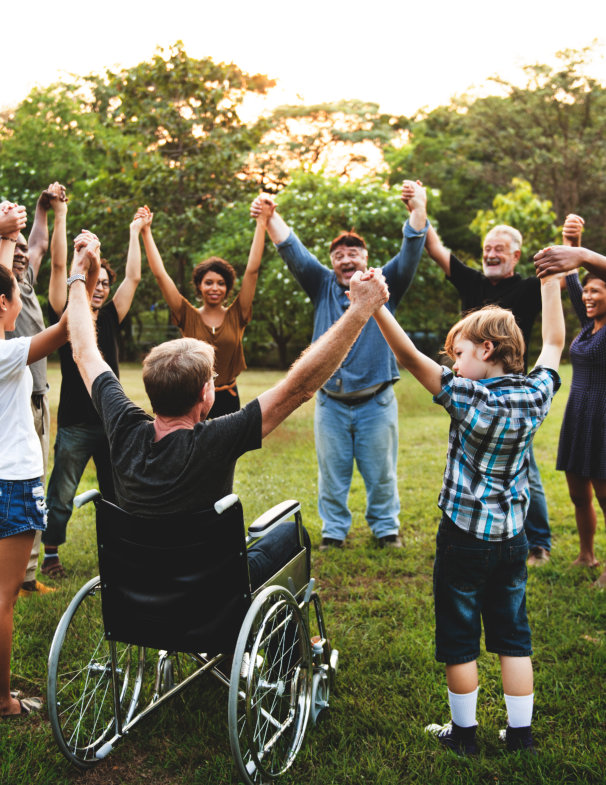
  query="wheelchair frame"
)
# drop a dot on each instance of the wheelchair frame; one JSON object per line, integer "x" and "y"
{"x": 279, "y": 675}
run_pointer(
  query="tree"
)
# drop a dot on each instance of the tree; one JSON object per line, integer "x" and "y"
{"x": 186, "y": 110}
{"x": 551, "y": 132}
{"x": 343, "y": 139}
{"x": 165, "y": 132}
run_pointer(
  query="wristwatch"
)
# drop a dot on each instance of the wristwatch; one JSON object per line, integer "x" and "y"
{"x": 76, "y": 277}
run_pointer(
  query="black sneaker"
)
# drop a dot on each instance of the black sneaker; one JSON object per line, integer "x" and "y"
{"x": 453, "y": 737}
{"x": 390, "y": 541}
{"x": 518, "y": 739}
{"x": 330, "y": 542}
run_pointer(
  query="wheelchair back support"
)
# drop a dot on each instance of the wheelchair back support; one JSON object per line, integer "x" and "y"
{"x": 177, "y": 582}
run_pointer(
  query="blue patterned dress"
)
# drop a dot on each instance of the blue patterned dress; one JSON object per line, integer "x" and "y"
{"x": 582, "y": 447}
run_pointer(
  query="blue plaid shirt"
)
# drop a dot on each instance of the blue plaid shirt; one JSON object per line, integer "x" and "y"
{"x": 492, "y": 422}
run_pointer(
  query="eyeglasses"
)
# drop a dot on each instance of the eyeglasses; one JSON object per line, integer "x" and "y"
{"x": 214, "y": 376}
{"x": 103, "y": 284}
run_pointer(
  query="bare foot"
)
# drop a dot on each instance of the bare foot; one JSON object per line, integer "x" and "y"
{"x": 12, "y": 707}
{"x": 589, "y": 561}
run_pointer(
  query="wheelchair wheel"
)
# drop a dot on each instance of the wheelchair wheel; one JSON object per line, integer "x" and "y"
{"x": 320, "y": 692}
{"x": 270, "y": 687}
{"x": 80, "y": 694}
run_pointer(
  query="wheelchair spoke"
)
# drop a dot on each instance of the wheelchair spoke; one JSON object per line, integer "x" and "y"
{"x": 80, "y": 694}
{"x": 273, "y": 690}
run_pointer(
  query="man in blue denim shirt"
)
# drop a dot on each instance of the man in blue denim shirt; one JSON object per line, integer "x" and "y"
{"x": 356, "y": 410}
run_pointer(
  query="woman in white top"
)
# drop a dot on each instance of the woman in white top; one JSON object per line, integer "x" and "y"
{"x": 22, "y": 506}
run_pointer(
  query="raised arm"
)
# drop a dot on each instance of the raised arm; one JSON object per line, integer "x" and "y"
{"x": 38, "y": 237}
{"x": 560, "y": 259}
{"x": 433, "y": 245}
{"x": 57, "y": 287}
{"x": 277, "y": 228}
{"x": 251, "y": 274}
{"x": 423, "y": 368}
{"x": 12, "y": 220}
{"x": 324, "y": 356}
{"x": 553, "y": 327}
{"x": 125, "y": 293}
{"x": 570, "y": 256}
{"x": 572, "y": 230}
{"x": 399, "y": 271}
{"x": 82, "y": 331}
{"x": 167, "y": 286}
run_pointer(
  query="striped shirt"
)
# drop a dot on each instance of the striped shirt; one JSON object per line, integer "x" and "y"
{"x": 492, "y": 422}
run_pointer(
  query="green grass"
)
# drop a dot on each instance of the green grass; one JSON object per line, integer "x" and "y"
{"x": 380, "y": 615}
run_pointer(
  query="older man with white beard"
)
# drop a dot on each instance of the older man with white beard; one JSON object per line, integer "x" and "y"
{"x": 499, "y": 284}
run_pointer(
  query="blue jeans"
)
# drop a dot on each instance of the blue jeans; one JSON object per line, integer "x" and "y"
{"x": 368, "y": 433}
{"x": 269, "y": 554}
{"x": 74, "y": 447}
{"x": 536, "y": 524}
{"x": 479, "y": 580}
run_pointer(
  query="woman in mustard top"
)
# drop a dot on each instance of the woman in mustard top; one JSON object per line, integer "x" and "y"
{"x": 220, "y": 325}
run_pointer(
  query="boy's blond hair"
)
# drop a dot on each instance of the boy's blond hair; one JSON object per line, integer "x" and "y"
{"x": 494, "y": 324}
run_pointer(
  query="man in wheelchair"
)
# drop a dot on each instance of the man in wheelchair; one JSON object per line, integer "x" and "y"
{"x": 172, "y": 472}
{"x": 176, "y": 461}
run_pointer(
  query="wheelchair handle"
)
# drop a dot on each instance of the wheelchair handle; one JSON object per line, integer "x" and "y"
{"x": 225, "y": 503}
{"x": 88, "y": 496}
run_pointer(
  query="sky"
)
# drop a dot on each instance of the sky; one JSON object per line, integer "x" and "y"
{"x": 402, "y": 55}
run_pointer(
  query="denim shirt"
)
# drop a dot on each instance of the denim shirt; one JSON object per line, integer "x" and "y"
{"x": 370, "y": 360}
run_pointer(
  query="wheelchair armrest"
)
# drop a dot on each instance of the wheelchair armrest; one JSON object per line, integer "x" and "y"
{"x": 273, "y": 517}
{"x": 87, "y": 496}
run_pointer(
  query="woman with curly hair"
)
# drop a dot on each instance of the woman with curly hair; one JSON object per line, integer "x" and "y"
{"x": 219, "y": 325}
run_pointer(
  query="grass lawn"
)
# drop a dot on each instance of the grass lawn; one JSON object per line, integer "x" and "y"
{"x": 379, "y": 614}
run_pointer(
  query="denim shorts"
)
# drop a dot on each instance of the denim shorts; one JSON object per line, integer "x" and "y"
{"x": 478, "y": 580}
{"x": 22, "y": 507}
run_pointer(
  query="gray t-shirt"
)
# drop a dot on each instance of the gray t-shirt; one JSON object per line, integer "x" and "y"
{"x": 187, "y": 470}
{"x": 31, "y": 322}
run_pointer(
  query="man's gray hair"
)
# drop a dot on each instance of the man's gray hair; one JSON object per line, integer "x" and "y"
{"x": 514, "y": 235}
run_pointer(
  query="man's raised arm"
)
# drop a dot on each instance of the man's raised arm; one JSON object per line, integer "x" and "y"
{"x": 433, "y": 245}
{"x": 82, "y": 331}
{"x": 324, "y": 356}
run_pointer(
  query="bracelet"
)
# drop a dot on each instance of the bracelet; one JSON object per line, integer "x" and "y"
{"x": 12, "y": 239}
{"x": 75, "y": 277}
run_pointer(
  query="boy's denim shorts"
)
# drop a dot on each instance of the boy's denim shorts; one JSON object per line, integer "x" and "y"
{"x": 478, "y": 579}
{"x": 22, "y": 507}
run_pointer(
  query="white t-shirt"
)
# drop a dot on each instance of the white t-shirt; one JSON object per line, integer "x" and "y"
{"x": 20, "y": 451}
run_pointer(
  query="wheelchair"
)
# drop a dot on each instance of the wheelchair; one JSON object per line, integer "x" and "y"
{"x": 180, "y": 585}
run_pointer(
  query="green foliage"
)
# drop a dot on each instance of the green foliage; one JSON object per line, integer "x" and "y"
{"x": 550, "y": 132}
{"x": 522, "y": 209}
{"x": 319, "y": 208}
{"x": 165, "y": 132}
{"x": 344, "y": 138}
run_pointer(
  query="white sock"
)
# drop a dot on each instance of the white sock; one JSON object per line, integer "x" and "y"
{"x": 519, "y": 710}
{"x": 463, "y": 708}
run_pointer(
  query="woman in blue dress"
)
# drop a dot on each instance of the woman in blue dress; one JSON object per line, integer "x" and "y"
{"x": 582, "y": 446}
